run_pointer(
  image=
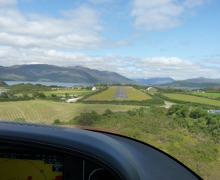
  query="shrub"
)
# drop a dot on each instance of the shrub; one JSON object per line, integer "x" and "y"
{"x": 87, "y": 119}
{"x": 205, "y": 152}
{"x": 39, "y": 95}
{"x": 131, "y": 112}
{"x": 178, "y": 111}
{"x": 56, "y": 122}
{"x": 197, "y": 113}
{"x": 20, "y": 119}
{"x": 4, "y": 95}
{"x": 107, "y": 112}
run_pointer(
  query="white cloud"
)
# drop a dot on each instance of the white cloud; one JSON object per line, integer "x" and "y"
{"x": 8, "y": 2}
{"x": 194, "y": 3}
{"x": 161, "y": 14}
{"x": 174, "y": 67}
{"x": 102, "y": 1}
{"x": 172, "y": 61}
{"x": 132, "y": 67}
{"x": 76, "y": 29}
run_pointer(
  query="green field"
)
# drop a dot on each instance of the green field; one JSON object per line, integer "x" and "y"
{"x": 194, "y": 99}
{"x": 136, "y": 95}
{"x": 196, "y": 150}
{"x": 69, "y": 91}
{"x": 209, "y": 95}
{"x": 133, "y": 94}
{"x": 42, "y": 111}
{"x": 106, "y": 95}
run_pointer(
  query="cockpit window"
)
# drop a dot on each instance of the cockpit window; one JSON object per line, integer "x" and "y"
{"x": 144, "y": 69}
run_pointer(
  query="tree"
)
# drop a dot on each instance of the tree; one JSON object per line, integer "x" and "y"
{"x": 197, "y": 113}
{"x": 39, "y": 95}
{"x": 25, "y": 95}
{"x": 178, "y": 110}
{"x": 87, "y": 119}
{"x": 4, "y": 95}
{"x": 67, "y": 95}
{"x": 107, "y": 112}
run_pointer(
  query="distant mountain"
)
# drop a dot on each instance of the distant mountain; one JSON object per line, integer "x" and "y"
{"x": 2, "y": 83}
{"x": 203, "y": 80}
{"x": 199, "y": 82}
{"x": 50, "y": 73}
{"x": 155, "y": 81}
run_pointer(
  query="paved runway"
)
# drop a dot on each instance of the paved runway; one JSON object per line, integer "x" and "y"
{"x": 120, "y": 93}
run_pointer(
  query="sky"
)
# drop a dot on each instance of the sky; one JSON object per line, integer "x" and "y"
{"x": 135, "y": 38}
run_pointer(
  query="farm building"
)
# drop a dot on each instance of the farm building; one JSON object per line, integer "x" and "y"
{"x": 214, "y": 111}
{"x": 94, "y": 88}
{"x": 71, "y": 100}
{"x": 151, "y": 89}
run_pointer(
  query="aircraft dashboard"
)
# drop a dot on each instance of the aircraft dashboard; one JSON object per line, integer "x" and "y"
{"x": 32, "y": 151}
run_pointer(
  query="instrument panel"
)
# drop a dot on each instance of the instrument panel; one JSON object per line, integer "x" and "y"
{"x": 20, "y": 163}
{"x": 29, "y": 164}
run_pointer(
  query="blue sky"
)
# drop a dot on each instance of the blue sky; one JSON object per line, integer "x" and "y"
{"x": 136, "y": 38}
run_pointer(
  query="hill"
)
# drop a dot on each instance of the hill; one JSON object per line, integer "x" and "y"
{"x": 194, "y": 83}
{"x": 51, "y": 73}
{"x": 2, "y": 83}
{"x": 204, "y": 80}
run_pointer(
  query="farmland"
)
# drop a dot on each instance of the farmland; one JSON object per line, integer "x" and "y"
{"x": 209, "y": 95}
{"x": 43, "y": 111}
{"x": 194, "y": 99}
{"x": 105, "y": 95}
{"x": 72, "y": 92}
{"x": 193, "y": 141}
{"x": 133, "y": 94}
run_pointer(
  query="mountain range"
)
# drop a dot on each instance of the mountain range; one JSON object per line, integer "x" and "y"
{"x": 203, "y": 80}
{"x": 199, "y": 82}
{"x": 51, "y": 73}
{"x": 79, "y": 74}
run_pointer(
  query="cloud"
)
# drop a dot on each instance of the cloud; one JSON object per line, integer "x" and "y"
{"x": 8, "y": 3}
{"x": 75, "y": 29}
{"x": 172, "y": 67}
{"x": 195, "y": 3}
{"x": 212, "y": 60}
{"x": 101, "y": 1}
{"x": 161, "y": 14}
{"x": 38, "y": 39}
{"x": 131, "y": 67}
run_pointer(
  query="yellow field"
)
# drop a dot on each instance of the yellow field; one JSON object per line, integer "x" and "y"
{"x": 133, "y": 94}
{"x": 104, "y": 96}
{"x": 42, "y": 111}
{"x": 136, "y": 95}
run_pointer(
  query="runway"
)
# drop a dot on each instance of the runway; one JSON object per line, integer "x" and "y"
{"x": 120, "y": 93}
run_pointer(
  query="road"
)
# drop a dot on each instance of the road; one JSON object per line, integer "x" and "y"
{"x": 120, "y": 93}
{"x": 167, "y": 104}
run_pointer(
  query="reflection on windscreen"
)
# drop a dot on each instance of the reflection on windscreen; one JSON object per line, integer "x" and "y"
{"x": 31, "y": 167}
